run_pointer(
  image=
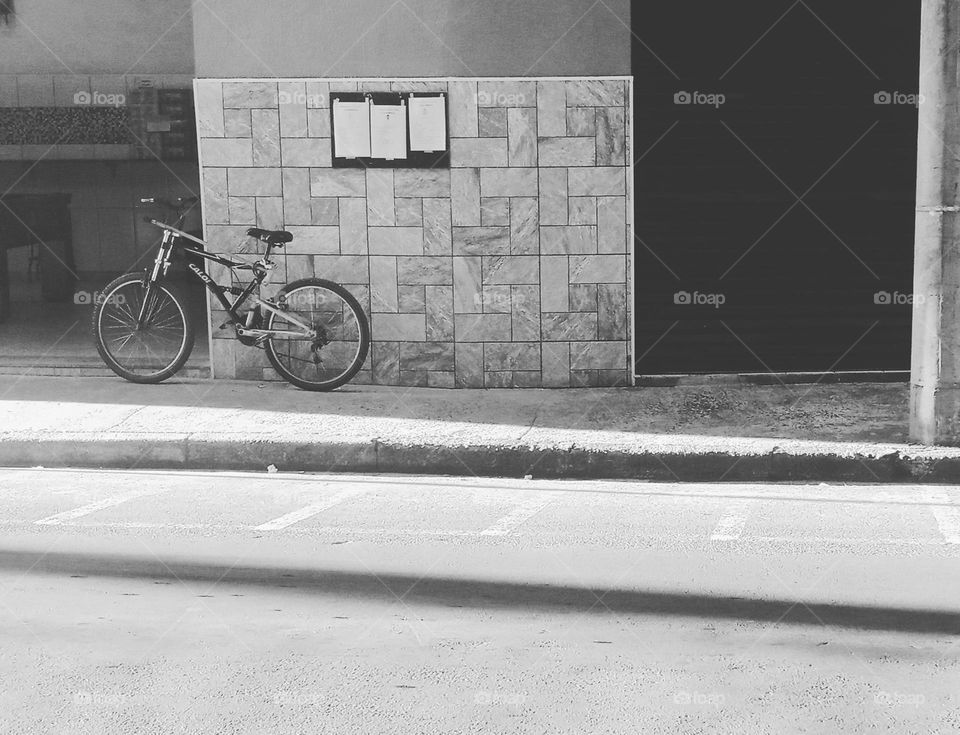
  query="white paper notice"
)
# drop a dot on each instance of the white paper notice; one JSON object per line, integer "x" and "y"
{"x": 351, "y": 129}
{"x": 428, "y": 124}
{"x": 388, "y": 131}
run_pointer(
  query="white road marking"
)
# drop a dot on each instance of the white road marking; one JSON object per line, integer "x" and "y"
{"x": 519, "y": 515}
{"x": 948, "y": 518}
{"x": 58, "y": 519}
{"x": 732, "y": 522}
{"x": 296, "y": 516}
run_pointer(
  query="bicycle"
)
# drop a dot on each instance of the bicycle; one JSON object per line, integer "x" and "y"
{"x": 314, "y": 331}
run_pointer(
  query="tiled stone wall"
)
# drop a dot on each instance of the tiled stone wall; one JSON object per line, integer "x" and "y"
{"x": 508, "y": 269}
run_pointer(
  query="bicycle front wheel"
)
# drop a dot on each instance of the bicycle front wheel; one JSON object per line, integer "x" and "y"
{"x": 159, "y": 346}
{"x": 343, "y": 335}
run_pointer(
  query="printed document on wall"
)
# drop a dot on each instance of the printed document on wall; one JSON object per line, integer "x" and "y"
{"x": 351, "y": 129}
{"x": 428, "y": 124}
{"x": 388, "y": 131}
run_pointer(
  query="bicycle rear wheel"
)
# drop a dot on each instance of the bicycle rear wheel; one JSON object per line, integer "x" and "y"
{"x": 155, "y": 350}
{"x": 343, "y": 335}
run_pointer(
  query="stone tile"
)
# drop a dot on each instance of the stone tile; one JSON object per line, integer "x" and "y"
{"x": 511, "y": 269}
{"x": 249, "y": 364}
{"x": 380, "y": 202}
{"x": 270, "y": 214}
{"x": 437, "y": 228}
{"x": 222, "y": 358}
{"x": 323, "y": 210}
{"x": 598, "y": 269}
{"x": 417, "y": 86}
{"x": 318, "y": 123}
{"x": 508, "y": 182}
{"x": 613, "y": 378}
{"x": 226, "y": 151}
{"x": 583, "y": 297}
{"x": 440, "y": 379}
{"x": 493, "y": 122}
{"x": 396, "y": 240}
{"x": 465, "y": 196}
{"x": 413, "y": 378}
{"x": 482, "y": 327}
{"x": 292, "y": 98}
{"x": 411, "y": 299}
{"x": 511, "y": 356}
{"x": 612, "y": 299}
{"x": 225, "y": 238}
{"x": 341, "y": 182}
{"x": 599, "y": 181}
{"x": 425, "y": 270}
{"x": 611, "y": 225}
{"x": 402, "y": 327}
{"x": 463, "y": 109}
{"x": 352, "y": 269}
{"x": 568, "y": 326}
{"x": 525, "y": 322}
{"x": 477, "y": 152}
{"x": 386, "y": 362}
{"x": 35, "y": 90}
{"x": 598, "y": 355}
{"x": 315, "y": 239}
{"x": 481, "y": 241}
{"x": 215, "y": 195}
{"x": 342, "y": 85}
{"x": 243, "y": 211}
{"x": 582, "y": 210}
{"x": 414, "y": 182}
{"x": 522, "y": 130}
{"x": 384, "y": 293}
{"x": 553, "y": 196}
{"x": 611, "y": 136}
{"x": 556, "y": 364}
{"x": 427, "y": 356}
{"x": 524, "y": 226}
{"x": 250, "y": 94}
{"x": 507, "y": 93}
{"x": 237, "y": 123}
{"x": 296, "y": 197}
{"x": 567, "y": 151}
{"x": 551, "y": 109}
{"x": 409, "y": 212}
{"x": 554, "y": 283}
{"x": 439, "y": 307}
{"x": 500, "y": 379}
{"x": 496, "y": 300}
{"x": 265, "y": 182}
{"x": 469, "y": 365}
{"x": 494, "y": 211}
{"x": 467, "y": 296}
{"x": 306, "y": 152}
{"x": 569, "y": 239}
{"x": 299, "y": 266}
{"x": 526, "y": 379}
{"x": 596, "y": 93}
{"x": 318, "y": 95}
{"x": 208, "y": 102}
{"x": 581, "y": 121}
{"x": 584, "y": 378}
{"x": 353, "y": 225}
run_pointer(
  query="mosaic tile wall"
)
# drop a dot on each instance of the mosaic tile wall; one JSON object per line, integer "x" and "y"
{"x": 509, "y": 269}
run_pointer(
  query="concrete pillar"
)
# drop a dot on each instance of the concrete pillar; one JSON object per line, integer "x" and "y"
{"x": 935, "y": 359}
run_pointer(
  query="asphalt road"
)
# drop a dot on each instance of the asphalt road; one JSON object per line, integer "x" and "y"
{"x": 227, "y": 603}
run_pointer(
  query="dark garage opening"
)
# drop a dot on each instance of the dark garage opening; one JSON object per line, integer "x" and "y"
{"x": 775, "y": 185}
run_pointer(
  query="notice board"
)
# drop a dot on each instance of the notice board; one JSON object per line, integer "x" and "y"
{"x": 389, "y": 130}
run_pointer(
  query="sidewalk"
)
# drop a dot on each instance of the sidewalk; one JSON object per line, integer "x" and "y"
{"x": 821, "y": 433}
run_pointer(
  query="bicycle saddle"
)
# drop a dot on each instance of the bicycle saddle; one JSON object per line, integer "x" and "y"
{"x": 272, "y": 237}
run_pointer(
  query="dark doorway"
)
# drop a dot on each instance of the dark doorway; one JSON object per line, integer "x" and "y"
{"x": 775, "y": 185}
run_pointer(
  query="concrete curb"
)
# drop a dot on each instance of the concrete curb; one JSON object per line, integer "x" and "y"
{"x": 776, "y": 462}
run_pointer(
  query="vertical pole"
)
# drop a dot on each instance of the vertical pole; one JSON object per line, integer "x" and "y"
{"x": 935, "y": 358}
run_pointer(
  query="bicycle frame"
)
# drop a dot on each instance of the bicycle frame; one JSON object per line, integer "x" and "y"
{"x": 261, "y": 271}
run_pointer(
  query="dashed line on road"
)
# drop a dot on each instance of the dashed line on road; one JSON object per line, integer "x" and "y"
{"x": 947, "y": 517}
{"x": 732, "y": 522}
{"x": 313, "y": 509}
{"x": 519, "y": 515}
{"x": 58, "y": 519}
